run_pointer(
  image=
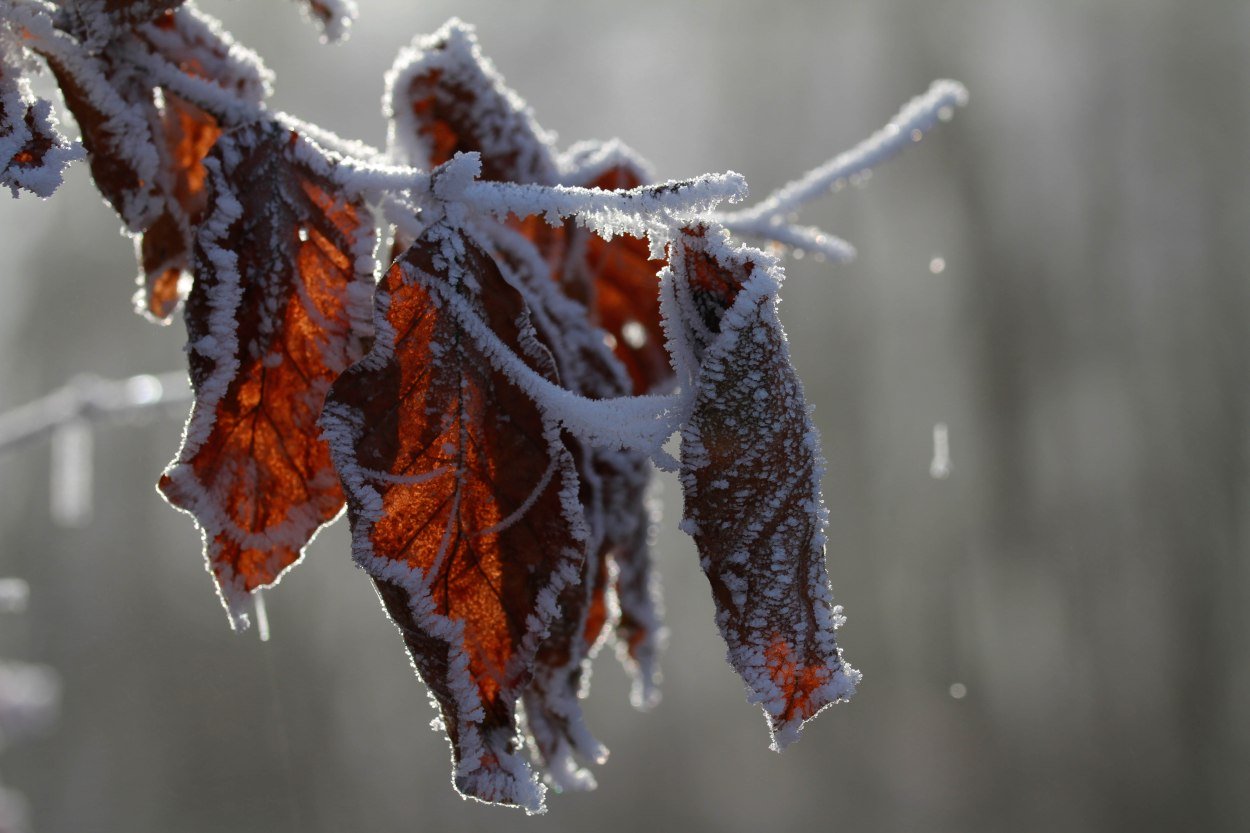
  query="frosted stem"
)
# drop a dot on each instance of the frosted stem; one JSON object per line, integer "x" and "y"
{"x": 91, "y": 399}
{"x": 769, "y": 219}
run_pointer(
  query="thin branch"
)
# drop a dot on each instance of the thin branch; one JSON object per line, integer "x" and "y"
{"x": 770, "y": 219}
{"x": 91, "y": 399}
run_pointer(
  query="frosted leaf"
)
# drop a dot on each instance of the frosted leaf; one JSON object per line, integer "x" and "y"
{"x": 201, "y": 48}
{"x": 145, "y": 145}
{"x": 334, "y": 16}
{"x": 185, "y": 133}
{"x": 33, "y": 153}
{"x": 591, "y": 161}
{"x": 113, "y": 109}
{"x": 283, "y": 275}
{"x": 560, "y": 742}
{"x": 462, "y": 496}
{"x": 444, "y": 96}
{"x": 134, "y": 11}
{"x": 634, "y": 584}
{"x": 750, "y": 476}
{"x": 616, "y": 279}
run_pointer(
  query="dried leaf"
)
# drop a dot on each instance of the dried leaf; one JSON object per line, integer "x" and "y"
{"x": 334, "y": 16}
{"x": 750, "y": 475}
{"x": 444, "y": 96}
{"x": 283, "y": 273}
{"x": 614, "y": 484}
{"x": 617, "y": 279}
{"x": 196, "y": 45}
{"x": 462, "y": 496}
{"x": 33, "y": 153}
{"x": 187, "y": 134}
{"x": 138, "y": 11}
{"x": 629, "y": 523}
{"x": 114, "y": 112}
{"x": 560, "y": 741}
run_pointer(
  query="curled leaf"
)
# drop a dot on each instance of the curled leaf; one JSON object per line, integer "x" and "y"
{"x": 444, "y": 96}
{"x": 184, "y": 134}
{"x": 462, "y": 496}
{"x": 114, "y": 112}
{"x": 561, "y": 743}
{"x": 750, "y": 475}
{"x": 283, "y": 273}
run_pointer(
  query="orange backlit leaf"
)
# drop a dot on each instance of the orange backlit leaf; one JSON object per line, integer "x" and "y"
{"x": 750, "y": 475}
{"x": 626, "y": 303}
{"x": 146, "y": 147}
{"x": 616, "y": 279}
{"x": 283, "y": 274}
{"x": 184, "y": 135}
{"x": 462, "y": 495}
{"x": 187, "y": 133}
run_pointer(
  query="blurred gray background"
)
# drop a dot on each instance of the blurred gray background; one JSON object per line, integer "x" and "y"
{"x": 1081, "y": 577}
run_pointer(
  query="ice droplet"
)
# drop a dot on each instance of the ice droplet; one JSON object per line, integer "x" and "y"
{"x": 13, "y": 595}
{"x": 940, "y": 467}
{"x": 71, "y": 475}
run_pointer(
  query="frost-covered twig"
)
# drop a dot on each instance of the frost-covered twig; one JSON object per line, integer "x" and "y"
{"x": 91, "y": 399}
{"x": 769, "y": 218}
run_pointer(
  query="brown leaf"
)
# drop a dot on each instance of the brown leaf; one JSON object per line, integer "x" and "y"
{"x": 185, "y": 133}
{"x": 283, "y": 272}
{"x": 629, "y": 528}
{"x": 115, "y": 113}
{"x": 616, "y": 279}
{"x": 146, "y": 151}
{"x": 334, "y": 16}
{"x": 462, "y": 496}
{"x": 138, "y": 11}
{"x": 33, "y": 153}
{"x": 445, "y": 97}
{"x": 750, "y": 475}
{"x": 613, "y": 487}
